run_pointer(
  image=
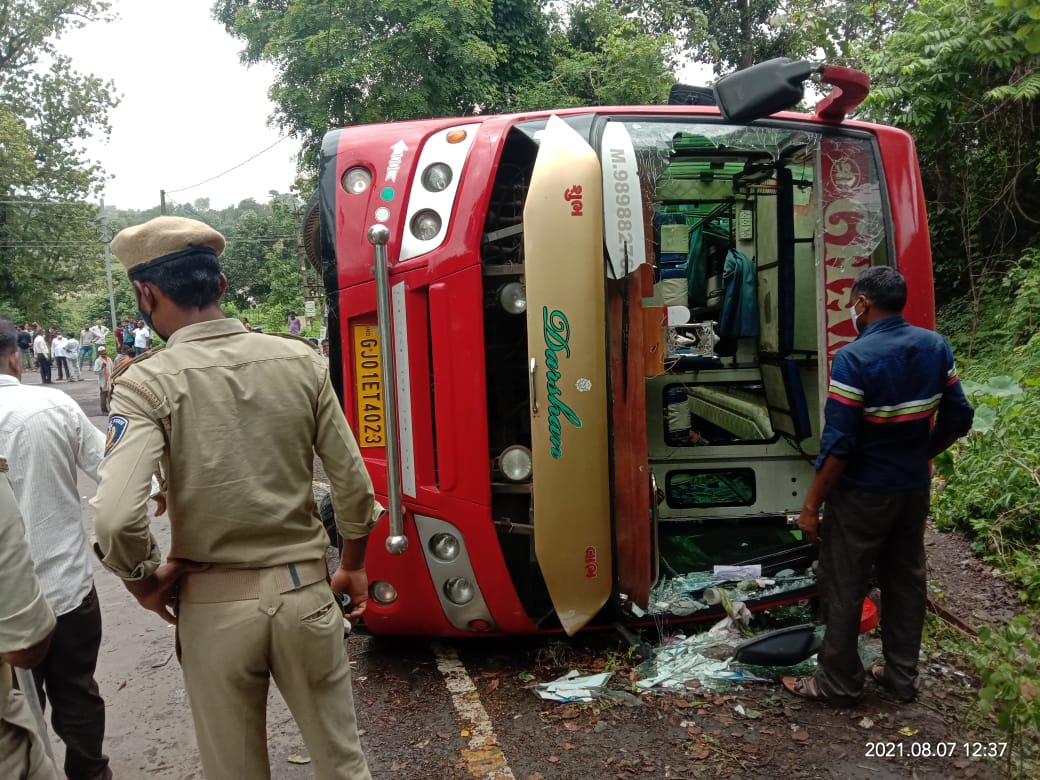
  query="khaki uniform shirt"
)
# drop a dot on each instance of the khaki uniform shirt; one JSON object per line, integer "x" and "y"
{"x": 232, "y": 420}
{"x": 25, "y": 620}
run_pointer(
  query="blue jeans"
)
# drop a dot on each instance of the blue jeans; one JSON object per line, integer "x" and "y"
{"x": 86, "y": 351}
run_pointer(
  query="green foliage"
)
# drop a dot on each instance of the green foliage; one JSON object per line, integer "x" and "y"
{"x": 960, "y": 78}
{"x": 361, "y": 61}
{"x": 260, "y": 262}
{"x": 992, "y": 484}
{"x": 1007, "y": 660}
{"x": 49, "y": 241}
{"x": 992, "y": 481}
{"x": 1028, "y": 30}
{"x": 602, "y": 58}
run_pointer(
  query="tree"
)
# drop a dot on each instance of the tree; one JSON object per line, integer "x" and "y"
{"x": 260, "y": 259}
{"x": 259, "y": 240}
{"x": 842, "y": 31}
{"x": 960, "y": 77}
{"x": 727, "y": 34}
{"x": 49, "y": 242}
{"x": 602, "y": 57}
{"x": 364, "y": 61}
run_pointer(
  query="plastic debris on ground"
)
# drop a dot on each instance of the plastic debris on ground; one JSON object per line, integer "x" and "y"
{"x": 687, "y": 662}
{"x": 573, "y": 687}
{"x": 705, "y": 659}
{"x": 684, "y": 660}
{"x": 686, "y": 594}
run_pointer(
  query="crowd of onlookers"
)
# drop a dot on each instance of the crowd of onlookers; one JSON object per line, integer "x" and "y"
{"x": 50, "y": 350}
{"x": 66, "y": 352}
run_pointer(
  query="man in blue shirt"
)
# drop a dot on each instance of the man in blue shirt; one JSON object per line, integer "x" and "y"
{"x": 873, "y": 472}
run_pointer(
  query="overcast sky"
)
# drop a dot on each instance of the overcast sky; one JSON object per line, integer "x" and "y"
{"x": 189, "y": 109}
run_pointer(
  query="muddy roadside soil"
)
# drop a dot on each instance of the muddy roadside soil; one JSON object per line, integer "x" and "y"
{"x": 434, "y": 710}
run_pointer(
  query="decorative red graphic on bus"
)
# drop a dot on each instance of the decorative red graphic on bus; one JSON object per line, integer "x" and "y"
{"x": 591, "y": 562}
{"x": 573, "y": 195}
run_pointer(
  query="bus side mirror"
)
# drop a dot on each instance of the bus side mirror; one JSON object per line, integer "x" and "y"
{"x": 763, "y": 89}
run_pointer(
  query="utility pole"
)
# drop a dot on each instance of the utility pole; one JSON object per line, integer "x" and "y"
{"x": 162, "y": 202}
{"x": 106, "y": 239}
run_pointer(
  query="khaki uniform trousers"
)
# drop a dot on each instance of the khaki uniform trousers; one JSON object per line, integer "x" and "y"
{"x": 229, "y": 652}
{"x": 22, "y": 754}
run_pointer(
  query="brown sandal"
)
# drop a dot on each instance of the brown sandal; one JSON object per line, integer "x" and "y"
{"x": 805, "y": 687}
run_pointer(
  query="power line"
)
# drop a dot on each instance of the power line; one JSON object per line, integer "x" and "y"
{"x": 49, "y": 203}
{"x": 234, "y": 167}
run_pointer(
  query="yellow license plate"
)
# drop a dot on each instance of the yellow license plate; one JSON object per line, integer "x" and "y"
{"x": 368, "y": 381}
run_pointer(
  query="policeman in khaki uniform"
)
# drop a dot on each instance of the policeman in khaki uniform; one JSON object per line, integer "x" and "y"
{"x": 26, "y": 623}
{"x": 231, "y": 420}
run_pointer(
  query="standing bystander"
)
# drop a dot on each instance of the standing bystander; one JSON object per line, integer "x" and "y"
{"x": 256, "y": 564}
{"x": 86, "y": 346}
{"x": 294, "y": 324}
{"x": 43, "y": 357}
{"x": 142, "y": 338}
{"x": 103, "y": 368}
{"x": 25, "y": 340}
{"x": 58, "y": 355}
{"x": 46, "y": 436}
{"x": 873, "y": 478}
{"x": 72, "y": 355}
{"x": 100, "y": 333}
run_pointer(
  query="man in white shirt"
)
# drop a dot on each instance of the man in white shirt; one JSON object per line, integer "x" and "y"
{"x": 100, "y": 332}
{"x": 45, "y": 435}
{"x": 43, "y": 357}
{"x": 72, "y": 358}
{"x": 142, "y": 338}
{"x": 58, "y": 356}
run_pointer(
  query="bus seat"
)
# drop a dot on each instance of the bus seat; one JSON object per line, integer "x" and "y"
{"x": 785, "y": 396}
{"x": 744, "y": 419}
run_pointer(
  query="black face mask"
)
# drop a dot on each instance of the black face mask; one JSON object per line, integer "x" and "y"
{"x": 151, "y": 326}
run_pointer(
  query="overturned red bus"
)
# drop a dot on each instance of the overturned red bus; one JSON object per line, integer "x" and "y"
{"x": 585, "y": 351}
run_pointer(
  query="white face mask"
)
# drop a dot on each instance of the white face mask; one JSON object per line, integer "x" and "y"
{"x": 852, "y": 314}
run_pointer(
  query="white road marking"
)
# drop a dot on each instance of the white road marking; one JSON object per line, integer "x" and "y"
{"x": 484, "y": 756}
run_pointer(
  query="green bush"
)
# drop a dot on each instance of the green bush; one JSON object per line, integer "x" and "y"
{"x": 1006, "y": 660}
{"x": 992, "y": 482}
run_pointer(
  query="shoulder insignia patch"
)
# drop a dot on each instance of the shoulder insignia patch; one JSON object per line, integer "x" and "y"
{"x": 3, "y": 465}
{"x": 117, "y": 425}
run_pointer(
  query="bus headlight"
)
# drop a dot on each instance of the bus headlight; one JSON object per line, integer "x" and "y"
{"x": 513, "y": 297}
{"x": 459, "y": 590}
{"x": 436, "y": 177}
{"x": 426, "y": 225}
{"x": 383, "y": 592}
{"x": 515, "y": 463}
{"x": 445, "y": 547}
{"x": 357, "y": 180}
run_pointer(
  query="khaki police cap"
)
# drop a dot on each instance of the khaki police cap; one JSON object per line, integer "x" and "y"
{"x": 164, "y": 238}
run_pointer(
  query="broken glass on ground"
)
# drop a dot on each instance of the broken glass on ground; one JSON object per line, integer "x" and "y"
{"x": 706, "y": 659}
{"x": 573, "y": 687}
{"x": 685, "y": 594}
